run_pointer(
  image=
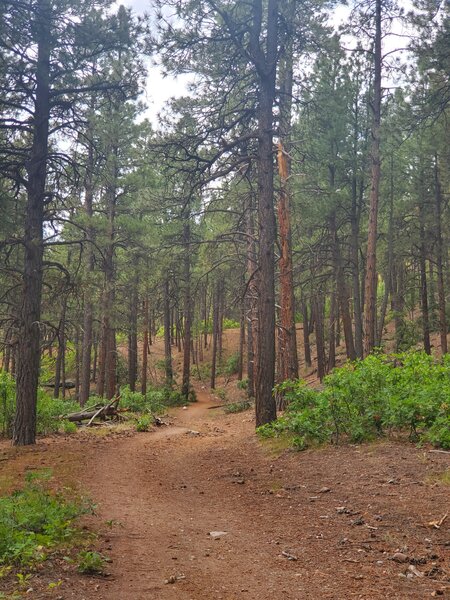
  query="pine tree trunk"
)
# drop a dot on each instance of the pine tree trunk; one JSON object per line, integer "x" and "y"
{"x": 390, "y": 258}
{"x": 341, "y": 289}
{"x": 24, "y": 431}
{"x": 287, "y": 333}
{"x": 145, "y": 346}
{"x": 306, "y": 343}
{"x": 251, "y": 300}
{"x": 187, "y": 302}
{"x": 132, "y": 338}
{"x": 320, "y": 343}
{"x": 265, "y": 372}
{"x": 332, "y": 334}
{"x": 371, "y": 258}
{"x": 241, "y": 343}
{"x": 215, "y": 336}
{"x": 167, "y": 345}
{"x": 59, "y": 365}
{"x": 423, "y": 279}
{"x": 439, "y": 258}
{"x": 88, "y": 304}
{"x": 77, "y": 362}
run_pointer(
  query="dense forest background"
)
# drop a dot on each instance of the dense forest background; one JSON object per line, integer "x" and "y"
{"x": 302, "y": 178}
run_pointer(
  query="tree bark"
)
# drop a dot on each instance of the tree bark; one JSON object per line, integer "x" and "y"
{"x": 440, "y": 258}
{"x": 60, "y": 357}
{"x": 88, "y": 304}
{"x": 287, "y": 333}
{"x": 371, "y": 258}
{"x": 167, "y": 345}
{"x": 187, "y": 301}
{"x": 266, "y": 66}
{"x": 145, "y": 346}
{"x": 423, "y": 278}
{"x": 320, "y": 343}
{"x": 24, "y": 431}
{"x": 306, "y": 344}
{"x": 132, "y": 336}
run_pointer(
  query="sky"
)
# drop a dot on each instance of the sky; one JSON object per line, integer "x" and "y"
{"x": 160, "y": 89}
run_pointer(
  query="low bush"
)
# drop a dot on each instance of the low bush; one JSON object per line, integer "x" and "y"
{"x": 90, "y": 563}
{"x": 143, "y": 423}
{"x": 237, "y": 407}
{"x": 155, "y": 400}
{"x": 35, "y": 521}
{"x": 231, "y": 366}
{"x": 369, "y": 398}
{"x": 49, "y": 411}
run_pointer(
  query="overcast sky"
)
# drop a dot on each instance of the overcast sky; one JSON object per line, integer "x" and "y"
{"x": 160, "y": 89}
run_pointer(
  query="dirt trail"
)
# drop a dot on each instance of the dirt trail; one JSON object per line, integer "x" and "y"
{"x": 166, "y": 491}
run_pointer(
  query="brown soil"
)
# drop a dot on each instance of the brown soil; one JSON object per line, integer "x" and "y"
{"x": 319, "y": 524}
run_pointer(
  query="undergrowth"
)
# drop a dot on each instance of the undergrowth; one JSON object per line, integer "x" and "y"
{"x": 237, "y": 407}
{"x": 36, "y": 521}
{"x": 369, "y": 398}
{"x": 51, "y": 411}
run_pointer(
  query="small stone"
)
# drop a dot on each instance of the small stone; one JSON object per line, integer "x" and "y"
{"x": 400, "y": 557}
{"x": 324, "y": 490}
{"x": 412, "y": 569}
{"x": 217, "y": 534}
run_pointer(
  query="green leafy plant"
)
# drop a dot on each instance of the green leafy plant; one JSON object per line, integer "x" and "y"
{"x": 237, "y": 407}
{"x": 90, "y": 562}
{"x": 68, "y": 427}
{"x": 221, "y": 393}
{"x": 232, "y": 364}
{"x": 370, "y": 398}
{"x": 243, "y": 384}
{"x": 143, "y": 423}
{"x": 35, "y": 521}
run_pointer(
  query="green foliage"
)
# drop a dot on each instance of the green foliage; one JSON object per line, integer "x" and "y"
{"x": 237, "y": 407}
{"x": 143, "y": 423}
{"x": 243, "y": 384}
{"x": 202, "y": 371}
{"x": 68, "y": 427}
{"x": 232, "y": 364}
{"x": 369, "y": 398}
{"x": 90, "y": 563}
{"x": 221, "y": 393}
{"x": 35, "y": 521}
{"x": 155, "y": 400}
{"x": 230, "y": 324}
{"x": 7, "y": 403}
{"x": 49, "y": 410}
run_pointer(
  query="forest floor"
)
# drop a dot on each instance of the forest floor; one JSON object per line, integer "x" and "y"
{"x": 330, "y": 523}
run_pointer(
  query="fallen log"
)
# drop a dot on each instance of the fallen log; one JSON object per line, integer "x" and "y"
{"x": 97, "y": 412}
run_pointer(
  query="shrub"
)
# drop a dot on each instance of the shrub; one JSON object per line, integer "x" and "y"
{"x": 35, "y": 520}
{"x": 243, "y": 384}
{"x": 232, "y": 364}
{"x": 237, "y": 407}
{"x": 230, "y": 324}
{"x": 68, "y": 427}
{"x": 143, "y": 423}
{"x": 49, "y": 411}
{"x": 371, "y": 397}
{"x": 221, "y": 393}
